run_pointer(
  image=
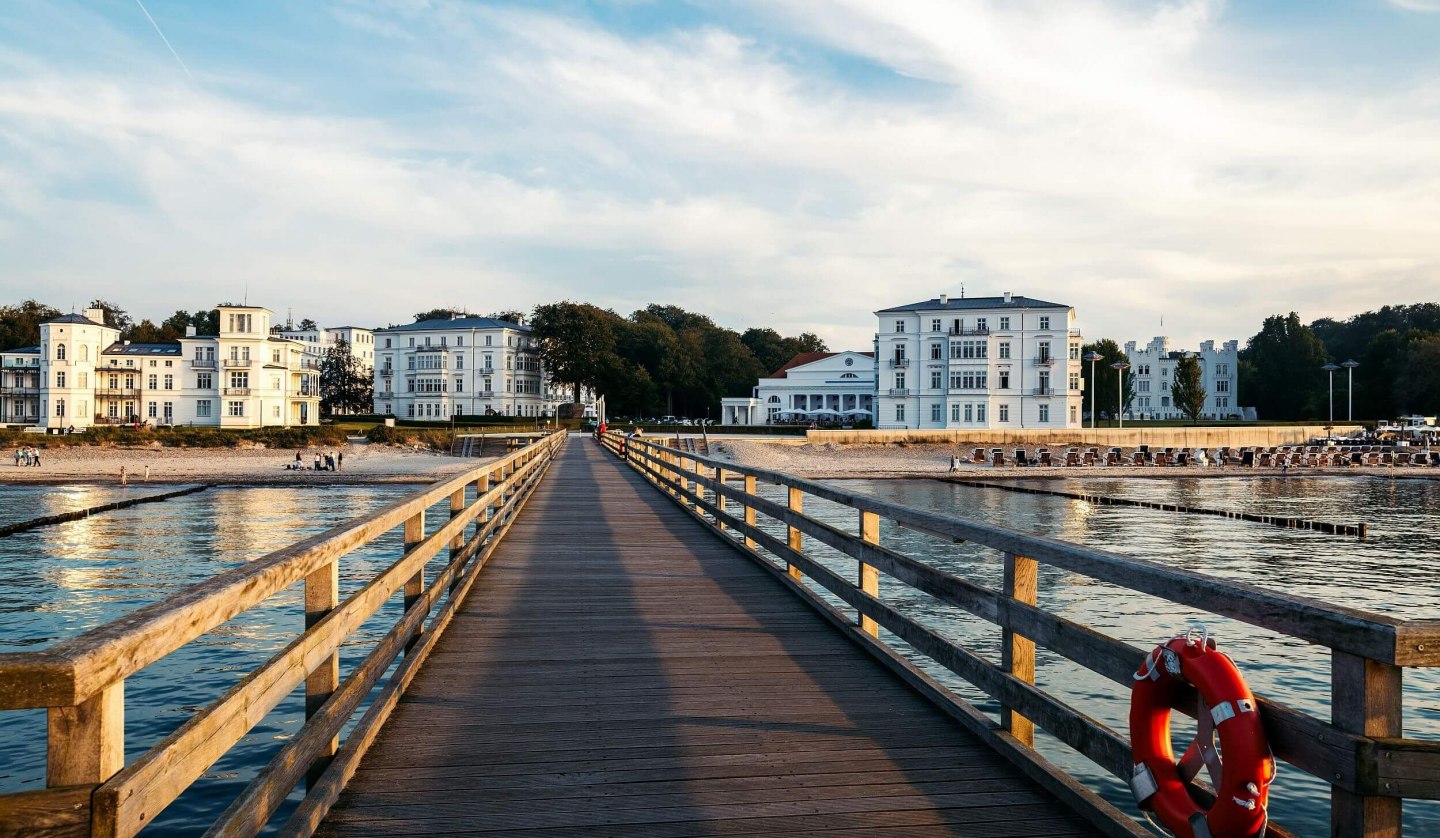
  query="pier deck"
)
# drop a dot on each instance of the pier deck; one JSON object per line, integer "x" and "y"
{"x": 618, "y": 671}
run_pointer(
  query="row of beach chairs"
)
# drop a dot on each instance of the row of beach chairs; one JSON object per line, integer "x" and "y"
{"x": 1283, "y": 456}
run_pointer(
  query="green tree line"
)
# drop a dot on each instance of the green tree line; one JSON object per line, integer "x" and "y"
{"x": 660, "y": 359}
{"x": 20, "y": 324}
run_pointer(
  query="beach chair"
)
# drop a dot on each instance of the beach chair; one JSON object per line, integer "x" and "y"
{"x": 1138, "y": 458}
{"x": 1112, "y": 457}
{"x": 1020, "y": 459}
{"x": 997, "y": 457}
{"x": 1072, "y": 457}
{"x": 978, "y": 456}
{"x": 1182, "y": 459}
{"x": 1044, "y": 455}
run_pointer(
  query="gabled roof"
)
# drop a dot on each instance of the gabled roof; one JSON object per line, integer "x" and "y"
{"x": 78, "y": 319}
{"x": 809, "y": 358}
{"x": 965, "y": 303}
{"x": 458, "y": 323}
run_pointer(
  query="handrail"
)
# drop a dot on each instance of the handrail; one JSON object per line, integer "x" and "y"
{"x": 1359, "y": 752}
{"x": 81, "y": 680}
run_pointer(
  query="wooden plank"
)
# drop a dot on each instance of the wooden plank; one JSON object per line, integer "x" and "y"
{"x": 869, "y": 575}
{"x": 1017, "y": 652}
{"x": 85, "y": 744}
{"x": 60, "y": 812}
{"x": 322, "y": 595}
{"x": 1365, "y": 698}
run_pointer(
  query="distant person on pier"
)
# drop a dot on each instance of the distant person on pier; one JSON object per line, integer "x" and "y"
{"x": 339, "y": 460}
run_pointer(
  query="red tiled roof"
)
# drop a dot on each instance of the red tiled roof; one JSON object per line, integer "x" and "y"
{"x": 808, "y": 358}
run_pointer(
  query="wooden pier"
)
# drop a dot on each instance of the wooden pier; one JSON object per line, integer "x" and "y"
{"x": 619, "y": 669}
{"x": 633, "y": 639}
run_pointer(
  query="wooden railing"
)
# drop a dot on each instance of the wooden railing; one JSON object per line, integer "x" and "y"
{"x": 81, "y": 682}
{"x": 1359, "y": 752}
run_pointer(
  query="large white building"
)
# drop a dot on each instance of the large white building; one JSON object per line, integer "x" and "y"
{"x": 82, "y": 374}
{"x": 1153, "y": 370}
{"x": 436, "y": 369}
{"x": 813, "y": 386}
{"x": 978, "y": 362}
{"x": 319, "y": 341}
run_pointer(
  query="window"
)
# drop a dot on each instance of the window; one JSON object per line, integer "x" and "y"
{"x": 235, "y": 408}
{"x": 205, "y": 381}
{"x": 1074, "y": 381}
{"x": 169, "y": 382}
{"x": 237, "y": 379}
{"x": 1074, "y": 414}
{"x": 152, "y": 409}
{"x": 1044, "y": 323}
{"x": 1004, "y": 324}
{"x": 488, "y": 339}
{"x": 1164, "y": 401}
{"x": 899, "y": 413}
{"x": 1222, "y": 369}
{"x": 82, "y": 380}
{"x": 980, "y": 412}
{"x": 1164, "y": 386}
{"x": 900, "y": 325}
{"x": 849, "y": 375}
{"x": 459, "y": 385}
{"x": 169, "y": 363}
{"x": 410, "y": 411}
{"x": 1165, "y": 372}
{"x": 1043, "y": 347}
{"x": 388, "y": 343}
{"x": 899, "y": 381}
{"x": 275, "y": 356}
{"x": 1004, "y": 413}
{"x": 1222, "y": 385}
{"x": 1044, "y": 413}
{"x": 459, "y": 362}
{"x": 935, "y": 412}
{"x": 152, "y": 381}
{"x": 969, "y": 412}
{"x": 202, "y": 408}
{"x": 1142, "y": 386}
{"x": 59, "y": 379}
{"x": 954, "y": 413}
{"x": 459, "y": 340}
{"x": 1004, "y": 383}
{"x": 59, "y": 356}
{"x": 936, "y": 381}
{"x": 937, "y": 351}
{"x": 971, "y": 379}
{"x": 935, "y": 325}
{"x": 1074, "y": 351}
{"x": 981, "y": 325}
{"x": 1004, "y": 349}
{"x": 60, "y": 408}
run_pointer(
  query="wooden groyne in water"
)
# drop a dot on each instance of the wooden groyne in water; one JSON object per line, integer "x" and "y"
{"x": 60, "y": 518}
{"x": 1284, "y": 521}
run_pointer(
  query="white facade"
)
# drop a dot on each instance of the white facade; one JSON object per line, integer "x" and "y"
{"x": 980, "y": 362}
{"x": 20, "y": 386}
{"x": 319, "y": 341}
{"x": 816, "y": 386}
{"x": 473, "y": 366}
{"x": 1153, "y": 370}
{"x": 244, "y": 378}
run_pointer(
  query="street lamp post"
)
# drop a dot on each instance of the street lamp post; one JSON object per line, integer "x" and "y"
{"x": 1331, "y": 368}
{"x": 1120, "y": 367}
{"x": 1350, "y": 390}
{"x": 1092, "y": 357}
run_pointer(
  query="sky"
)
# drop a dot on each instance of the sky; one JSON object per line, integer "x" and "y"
{"x": 1183, "y": 168}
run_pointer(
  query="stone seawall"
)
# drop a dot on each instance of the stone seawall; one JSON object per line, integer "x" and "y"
{"x": 1176, "y": 437}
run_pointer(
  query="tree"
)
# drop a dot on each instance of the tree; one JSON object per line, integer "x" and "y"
{"x": 207, "y": 323}
{"x": 441, "y": 314}
{"x": 345, "y": 384}
{"x": 1287, "y": 382}
{"x": 115, "y": 316}
{"x": 773, "y": 351}
{"x": 576, "y": 342}
{"x": 1187, "y": 390}
{"x": 174, "y": 326}
{"x": 20, "y": 325}
{"x": 1417, "y": 381}
{"x": 1103, "y": 392}
{"x": 508, "y": 315}
{"x": 146, "y": 332}
{"x": 308, "y": 325}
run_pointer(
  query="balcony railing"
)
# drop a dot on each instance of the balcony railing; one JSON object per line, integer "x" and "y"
{"x": 899, "y": 363}
{"x": 978, "y": 331}
{"x": 203, "y": 364}
{"x": 387, "y": 371}
{"x": 1043, "y": 391}
{"x": 237, "y": 363}
{"x": 118, "y": 392}
{"x": 1074, "y": 333}
{"x": 235, "y": 391}
{"x": 899, "y": 391}
{"x": 1045, "y": 361}
{"x": 20, "y": 390}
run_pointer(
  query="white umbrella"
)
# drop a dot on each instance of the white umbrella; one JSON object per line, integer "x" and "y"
{"x": 857, "y": 411}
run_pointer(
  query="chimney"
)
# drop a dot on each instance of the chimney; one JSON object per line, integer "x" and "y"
{"x": 1007, "y": 298}
{"x": 944, "y": 299}
{"x": 95, "y": 314}
{"x": 190, "y": 331}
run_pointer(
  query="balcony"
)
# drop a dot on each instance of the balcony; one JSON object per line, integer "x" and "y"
{"x": 235, "y": 391}
{"x": 485, "y": 394}
{"x": 1044, "y": 361}
{"x": 976, "y": 332}
{"x": 1043, "y": 391}
{"x": 118, "y": 392}
{"x": 20, "y": 390}
{"x": 237, "y": 363}
{"x": 899, "y": 363}
{"x": 203, "y": 364}
{"x": 899, "y": 391}
{"x": 1074, "y": 333}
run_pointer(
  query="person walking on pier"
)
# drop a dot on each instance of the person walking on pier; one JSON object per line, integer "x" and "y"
{"x": 339, "y": 460}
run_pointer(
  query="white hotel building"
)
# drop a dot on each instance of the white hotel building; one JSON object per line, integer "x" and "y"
{"x": 82, "y": 374}
{"x": 472, "y": 366}
{"x": 978, "y": 362}
{"x": 814, "y": 386}
{"x": 1153, "y": 370}
{"x": 319, "y": 341}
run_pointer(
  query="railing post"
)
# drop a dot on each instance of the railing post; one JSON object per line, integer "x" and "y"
{"x": 1365, "y": 698}
{"x": 322, "y": 595}
{"x": 482, "y": 485}
{"x": 720, "y": 499}
{"x": 749, "y": 510}
{"x": 457, "y": 508}
{"x": 869, "y": 574}
{"x": 795, "y": 539}
{"x": 415, "y": 585}
{"x": 1017, "y": 653}
{"x": 86, "y": 742}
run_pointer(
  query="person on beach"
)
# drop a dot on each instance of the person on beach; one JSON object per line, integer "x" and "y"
{"x": 317, "y": 461}
{"x": 329, "y": 462}
{"x": 299, "y": 463}
{"x": 123, "y": 479}
{"x": 339, "y": 460}
{"x": 954, "y": 464}
{"x": 18, "y": 453}
{"x": 35, "y": 457}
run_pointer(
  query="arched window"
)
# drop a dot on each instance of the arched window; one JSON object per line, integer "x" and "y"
{"x": 59, "y": 351}
{"x": 849, "y": 375}
{"x": 84, "y": 352}
{"x": 773, "y": 400}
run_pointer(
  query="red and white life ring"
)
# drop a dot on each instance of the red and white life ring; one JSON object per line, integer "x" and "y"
{"x": 1242, "y": 783}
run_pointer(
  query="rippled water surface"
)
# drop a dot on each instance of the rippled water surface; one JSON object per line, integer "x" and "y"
{"x": 59, "y": 581}
{"x": 1395, "y": 571}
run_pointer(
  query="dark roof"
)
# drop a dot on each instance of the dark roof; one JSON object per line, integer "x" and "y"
{"x": 963, "y": 303}
{"x": 459, "y": 323}
{"x": 809, "y": 358}
{"x": 122, "y": 348}
{"x": 79, "y": 319}
{"x": 22, "y": 350}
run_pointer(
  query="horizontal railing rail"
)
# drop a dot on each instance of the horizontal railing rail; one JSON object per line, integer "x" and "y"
{"x": 1359, "y": 752}
{"x": 81, "y": 681}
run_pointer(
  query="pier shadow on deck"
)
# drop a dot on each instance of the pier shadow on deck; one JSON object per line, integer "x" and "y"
{"x": 618, "y": 670}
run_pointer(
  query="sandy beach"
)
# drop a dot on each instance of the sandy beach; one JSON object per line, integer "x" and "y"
{"x": 831, "y": 461}
{"x": 363, "y": 463}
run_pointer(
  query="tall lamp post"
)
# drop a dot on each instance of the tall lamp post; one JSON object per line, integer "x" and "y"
{"x": 1092, "y": 356}
{"x": 1331, "y": 368}
{"x": 1350, "y": 390}
{"x": 1120, "y": 367}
